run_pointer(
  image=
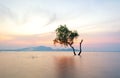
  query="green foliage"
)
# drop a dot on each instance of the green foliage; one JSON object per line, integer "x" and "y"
{"x": 64, "y": 36}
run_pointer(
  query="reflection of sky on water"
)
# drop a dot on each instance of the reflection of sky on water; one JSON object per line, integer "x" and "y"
{"x": 59, "y": 65}
{"x": 65, "y": 66}
{"x": 89, "y": 65}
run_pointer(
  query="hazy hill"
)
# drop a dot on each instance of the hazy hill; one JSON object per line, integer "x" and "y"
{"x": 43, "y": 48}
{"x": 38, "y": 48}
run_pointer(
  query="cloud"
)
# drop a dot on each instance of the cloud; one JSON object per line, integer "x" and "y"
{"x": 35, "y": 18}
{"x": 23, "y": 16}
{"x": 40, "y": 13}
{"x": 52, "y": 19}
{"x": 5, "y": 13}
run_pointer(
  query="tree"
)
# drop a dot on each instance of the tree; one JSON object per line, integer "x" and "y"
{"x": 80, "y": 47}
{"x": 65, "y": 37}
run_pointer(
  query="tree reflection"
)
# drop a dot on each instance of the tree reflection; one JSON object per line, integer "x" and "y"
{"x": 65, "y": 66}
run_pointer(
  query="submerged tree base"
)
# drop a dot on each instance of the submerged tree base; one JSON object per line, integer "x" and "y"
{"x": 79, "y": 54}
{"x": 80, "y": 47}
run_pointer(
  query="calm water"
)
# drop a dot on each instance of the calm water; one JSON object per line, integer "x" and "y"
{"x": 59, "y": 65}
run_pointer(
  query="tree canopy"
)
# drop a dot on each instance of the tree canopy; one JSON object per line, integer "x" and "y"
{"x": 64, "y": 36}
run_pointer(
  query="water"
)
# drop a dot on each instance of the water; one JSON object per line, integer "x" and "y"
{"x": 59, "y": 65}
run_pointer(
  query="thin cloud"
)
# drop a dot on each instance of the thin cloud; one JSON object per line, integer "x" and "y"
{"x": 40, "y": 13}
{"x": 5, "y": 13}
{"x": 22, "y": 18}
{"x": 52, "y": 19}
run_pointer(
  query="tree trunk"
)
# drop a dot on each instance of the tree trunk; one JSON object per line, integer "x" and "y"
{"x": 80, "y": 47}
{"x": 73, "y": 49}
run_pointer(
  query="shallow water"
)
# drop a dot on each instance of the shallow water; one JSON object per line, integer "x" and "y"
{"x": 59, "y": 65}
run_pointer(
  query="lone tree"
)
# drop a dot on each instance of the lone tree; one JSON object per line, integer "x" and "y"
{"x": 65, "y": 37}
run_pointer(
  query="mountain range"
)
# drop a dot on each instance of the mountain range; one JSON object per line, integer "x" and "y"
{"x": 38, "y": 48}
{"x": 45, "y": 48}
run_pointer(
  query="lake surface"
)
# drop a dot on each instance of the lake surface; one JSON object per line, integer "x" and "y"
{"x": 59, "y": 65}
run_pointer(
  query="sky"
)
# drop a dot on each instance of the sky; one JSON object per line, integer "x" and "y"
{"x": 25, "y": 23}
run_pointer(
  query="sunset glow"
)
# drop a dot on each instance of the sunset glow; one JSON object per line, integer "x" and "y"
{"x": 26, "y": 23}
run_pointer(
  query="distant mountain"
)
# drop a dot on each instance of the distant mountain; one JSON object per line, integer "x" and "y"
{"x": 45, "y": 48}
{"x": 39, "y": 48}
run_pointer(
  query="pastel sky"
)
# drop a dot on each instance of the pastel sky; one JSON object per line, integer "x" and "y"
{"x": 25, "y": 23}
